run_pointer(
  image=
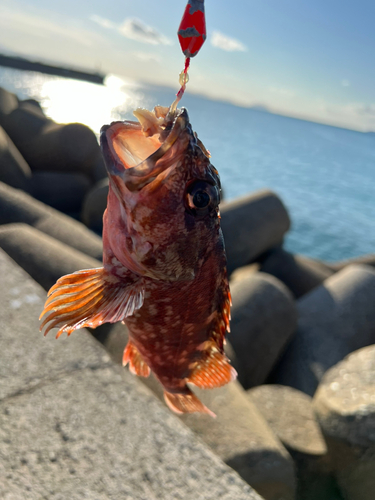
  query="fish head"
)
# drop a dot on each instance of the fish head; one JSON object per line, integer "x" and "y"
{"x": 162, "y": 217}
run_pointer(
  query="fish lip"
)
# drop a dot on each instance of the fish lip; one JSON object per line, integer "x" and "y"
{"x": 112, "y": 163}
{"x": 145, "y": 170}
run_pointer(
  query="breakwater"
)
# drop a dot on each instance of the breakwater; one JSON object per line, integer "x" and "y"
{"x": 298, "y": 423}
{"x": 49, "y": 69}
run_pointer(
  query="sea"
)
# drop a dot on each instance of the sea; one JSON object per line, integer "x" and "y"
{"x": 324, "y": 175}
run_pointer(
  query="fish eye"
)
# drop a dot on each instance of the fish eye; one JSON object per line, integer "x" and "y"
{"x": 202, "y": 197}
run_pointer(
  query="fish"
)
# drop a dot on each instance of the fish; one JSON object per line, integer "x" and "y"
{"x": 164, "y": 271}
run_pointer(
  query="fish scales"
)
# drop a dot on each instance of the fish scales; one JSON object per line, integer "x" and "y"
{"x": 180, "y": 326}
{"x": 164, "y": 265}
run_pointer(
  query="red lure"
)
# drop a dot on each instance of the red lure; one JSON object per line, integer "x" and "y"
{"x": 192, "y": 35}
{"x": 192, "y": 29}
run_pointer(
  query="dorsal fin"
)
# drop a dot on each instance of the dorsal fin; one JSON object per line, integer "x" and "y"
{"x": 213, "y": 370}
{"x": 137, "y": 365}
{"x": 89, "y": 298}
{"x": 221, "y": 326}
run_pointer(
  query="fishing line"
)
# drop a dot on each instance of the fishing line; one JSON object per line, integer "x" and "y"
{"x": 191, "y": 35}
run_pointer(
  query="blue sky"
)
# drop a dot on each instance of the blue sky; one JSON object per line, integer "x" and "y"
{"x": 308, "y": 59}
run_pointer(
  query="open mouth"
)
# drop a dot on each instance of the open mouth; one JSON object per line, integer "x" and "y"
{"x": 128, "y": 142}
{"x": 134, "y": 151}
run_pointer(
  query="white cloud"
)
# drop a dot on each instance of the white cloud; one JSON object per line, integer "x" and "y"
{"x": 345, "y": 83}
{"x": 134, "y": 29}
{"x": 147, "y": 57}
{"x": 362, "y": 109}
{"x": 357, "y": 115}
{"x": 137, "y": 30}
{"x": 282, "y": 91}
{"x": 358, "y": 109}
{"x": 104, "y": 23}
{"x": 227, "y": 43}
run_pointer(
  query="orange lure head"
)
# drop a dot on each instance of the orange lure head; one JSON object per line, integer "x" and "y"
{"x": 162, "y": 214}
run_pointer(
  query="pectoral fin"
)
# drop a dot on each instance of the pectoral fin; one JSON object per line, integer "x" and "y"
{"x": 89, "y": 298}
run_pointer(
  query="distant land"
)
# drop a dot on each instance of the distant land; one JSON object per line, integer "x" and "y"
{"x": 25, "y": 64}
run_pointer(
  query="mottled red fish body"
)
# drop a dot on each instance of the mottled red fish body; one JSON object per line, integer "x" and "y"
{"x": 173, "y": 329}
{"x": 164, "y": 266}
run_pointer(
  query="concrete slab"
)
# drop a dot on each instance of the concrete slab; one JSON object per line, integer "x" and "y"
{"x": 27, "y": 358}
{"x": 75, "y": 426}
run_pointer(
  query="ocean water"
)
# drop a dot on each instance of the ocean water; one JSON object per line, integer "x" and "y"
{"x": 324, "y": 175}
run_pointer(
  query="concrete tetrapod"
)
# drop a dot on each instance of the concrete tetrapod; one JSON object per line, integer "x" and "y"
{"x": 252, "y": 225}
{"x": 335, "y": 319}
{"x": 263, "y": 323}
{"x": 345, "y": 407}
{"x": 47, "y": 145}
{"x": 31, "y": 104}
{"x": 60, "y": 190}
{"x": 43, "y": 257}
{"x": 74, "y": 425}
{"x": 24, "y": 123}
{"x": 17, "y": 206}
{"x": 62, "y": 148}
{"x": 8, "y": 102}
{"x": 13, "y": 168}
{"x": 46, "y": 260}
{"x": 241, "y": 437}
{"x": 94, "y": 204}
{"x": 299, "y": 273}
{"x": 290, "y": 415}
{"x": 368, "y": 260}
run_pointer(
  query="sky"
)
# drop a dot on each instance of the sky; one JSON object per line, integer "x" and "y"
{"x": 308, "y": 59}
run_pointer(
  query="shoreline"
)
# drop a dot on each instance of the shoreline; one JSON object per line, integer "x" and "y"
{"x": 48, "y": 69}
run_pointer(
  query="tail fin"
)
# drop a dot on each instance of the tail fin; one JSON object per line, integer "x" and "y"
{"x": 186, "y": 403}
{"x": 89, "y": 298}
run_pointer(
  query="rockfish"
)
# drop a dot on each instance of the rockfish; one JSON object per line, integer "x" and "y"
{"x": 164, "y": 265}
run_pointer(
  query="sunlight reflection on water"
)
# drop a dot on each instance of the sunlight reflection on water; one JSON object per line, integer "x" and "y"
{"x": 72, "y": 100}
{"x": 67, "y": 100}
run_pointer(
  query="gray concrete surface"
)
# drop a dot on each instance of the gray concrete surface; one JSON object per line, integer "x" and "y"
{"x": 252, "y": 225}
{"x": 345, "y": 399}
{"x": 94, "y": 204}
{"x": 290, "y": 415}
{"x": 17, "y": 206}
{"x": 345, "y": 407}
{"x": 75, "y": 426}
{"x": 61, "y": 190}
{"x": 8, "y": 102}
{"x": 13, "y": 168}
{"x": 241, "y": 437}
{"x": 43, "y": 258}
{"x": 368, "y": 260}
{"x": 335, "y": 319}
{"x": 299, "y": 273}
{"x": 264, "y": 321}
